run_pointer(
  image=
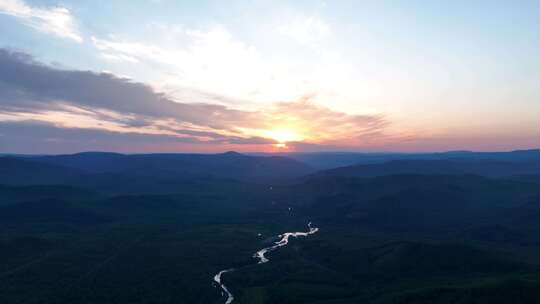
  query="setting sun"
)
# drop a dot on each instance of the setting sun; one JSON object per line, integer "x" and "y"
{"x": 283, "y": 136}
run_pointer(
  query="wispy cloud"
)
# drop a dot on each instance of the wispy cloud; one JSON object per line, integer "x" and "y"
{"x": 305, "y": 29}
{"x": 206, "y": 61}
{"x": 214, "y": 61}
{"x": 56, "y": 21}
{"x": 319, "y": 124}
{"x": 29, "y": 86}
{"x": 119, "y": 57}
{"x": 65, "y": 99}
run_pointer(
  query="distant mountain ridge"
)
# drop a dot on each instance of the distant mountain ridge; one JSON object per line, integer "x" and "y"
{"x": 488, "y": 168}
{"x": 157, "y": 171}
{"x": 223, "y": 165}
{"x": 168, "y": 172}
{"x": 23, "y": 171}
{"x": 329, "y": 160}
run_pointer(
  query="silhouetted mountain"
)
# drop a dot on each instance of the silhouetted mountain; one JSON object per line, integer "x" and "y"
{"x": 439, "y": 167}
{"x": 12, "y": 194}
{"x": 328, "y": 160}
{"x": 23, "y": 171}
{"x": 226, "y": 165}
{"x": 112, "y": 172}
{"x": 47, "y": 210}
{"x": 88, "y": 162}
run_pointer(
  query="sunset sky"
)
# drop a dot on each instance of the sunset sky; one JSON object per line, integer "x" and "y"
{"x": 212, "y": 76}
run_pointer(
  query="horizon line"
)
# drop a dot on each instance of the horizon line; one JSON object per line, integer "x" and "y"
{"x": 2, "y": 154}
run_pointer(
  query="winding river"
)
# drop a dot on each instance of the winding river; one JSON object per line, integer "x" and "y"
{"x": 260, "y": 255}
{"x": 225, "y": 291}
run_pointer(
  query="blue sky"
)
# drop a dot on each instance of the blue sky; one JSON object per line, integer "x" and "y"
{"x": 305, "y": 75}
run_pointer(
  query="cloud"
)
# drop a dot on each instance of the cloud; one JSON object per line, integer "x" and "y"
{"x": 30, "y": 84}
{"x": 213, "y": 61}
{"x": 106, "y": 106}
{"x": 305, "y": 30}
{"x": 29, "y": 136}
{"x": 205, "y": 61}
{"x": 119, "y": 57}
{"x": 322, "y": 124}
{"x": 36, "y": 136}
{"x": 202, "y": 63}
{"x": 56, "y": 21}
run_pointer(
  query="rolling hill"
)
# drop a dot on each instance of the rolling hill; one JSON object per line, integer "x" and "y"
{"x": 488, "y": 168}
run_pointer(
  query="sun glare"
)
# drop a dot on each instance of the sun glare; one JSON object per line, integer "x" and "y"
{"x": 282, "y": 136}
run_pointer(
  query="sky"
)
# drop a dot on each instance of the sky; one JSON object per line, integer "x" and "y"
{"x": 139, "y": 76}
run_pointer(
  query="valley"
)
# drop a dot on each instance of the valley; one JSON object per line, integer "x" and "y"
{"x": 400, "y": 238}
